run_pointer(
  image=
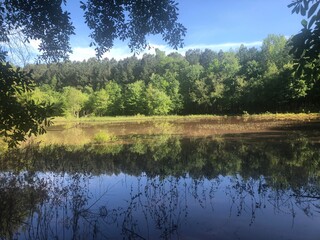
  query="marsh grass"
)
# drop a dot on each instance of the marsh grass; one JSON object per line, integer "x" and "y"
{"x": 137, "y": 118}
{"x": 141, "y": 118}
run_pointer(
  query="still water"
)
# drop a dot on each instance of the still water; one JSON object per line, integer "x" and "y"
{"x": 195, "y": 179}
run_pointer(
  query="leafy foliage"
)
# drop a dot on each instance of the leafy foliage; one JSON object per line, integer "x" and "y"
{"x": 129, "y": 20}
{"x": 73, "y": 101}
{"x": 306, "y": 44}
{"x": 41, "y": 20}
{"x": 135, "y": 98}
{"x": 158, "y": 102}
{"x": 19, "y": 117}
{"x": 133, "y": 20}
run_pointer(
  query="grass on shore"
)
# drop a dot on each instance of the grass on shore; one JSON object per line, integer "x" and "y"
{"x": 137, "y": 118}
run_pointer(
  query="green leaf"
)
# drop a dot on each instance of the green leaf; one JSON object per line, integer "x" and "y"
{"x": 304, "y": 23}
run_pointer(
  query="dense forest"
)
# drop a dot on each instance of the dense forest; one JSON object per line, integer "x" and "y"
{"x": 245, "y": 80}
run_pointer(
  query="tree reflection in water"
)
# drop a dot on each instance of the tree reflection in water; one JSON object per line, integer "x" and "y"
{"x": 167, "y": 187}
{"x": 19, "y": 196}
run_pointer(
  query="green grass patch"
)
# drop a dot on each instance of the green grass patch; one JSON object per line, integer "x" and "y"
{"x": 103, "y": 137}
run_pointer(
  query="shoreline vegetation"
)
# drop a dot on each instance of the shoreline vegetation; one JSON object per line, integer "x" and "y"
{"x": 109, "y": 130}
{"x": 262, "y": 116}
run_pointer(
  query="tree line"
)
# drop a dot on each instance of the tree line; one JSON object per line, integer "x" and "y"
{"x": 249, "y": 80}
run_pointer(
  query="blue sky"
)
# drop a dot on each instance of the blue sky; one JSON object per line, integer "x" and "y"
{"x": 211, "y": 24}
{"x": 214, "y": 21}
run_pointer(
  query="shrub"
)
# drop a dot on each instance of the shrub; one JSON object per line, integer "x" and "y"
{"x": 103, "y": 137}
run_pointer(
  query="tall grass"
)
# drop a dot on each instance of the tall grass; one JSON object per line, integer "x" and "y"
{"x": 266, "y": 116}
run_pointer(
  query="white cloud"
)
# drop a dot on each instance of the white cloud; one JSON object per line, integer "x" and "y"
{"x": 223, "y": 46}
{"x": 214, "y": 47}
{"x": 80, "y": 53}
{"x": 118, "y": 53}
{"x": 84, "y": 53}
{"x": 121, "y": 52}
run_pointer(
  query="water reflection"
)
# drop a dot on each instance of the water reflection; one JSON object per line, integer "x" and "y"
{"x": 163, "y": 186}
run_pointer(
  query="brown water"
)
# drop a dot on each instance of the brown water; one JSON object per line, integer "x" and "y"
{"x": 83, "y": 133}
{"x": 188, "y": 179}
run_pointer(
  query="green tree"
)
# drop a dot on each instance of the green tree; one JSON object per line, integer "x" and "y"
{"x": 200, "y": 94}
{"x": 207, "y": 57}
{"x": 275, "y": 51}
{"x": 187, "y": 78}
{"x": 125, "y": 70}
{"x": 73, "y": 101}
{"x": 115, "y": 104}
{"x": 173, "y": 62}
{"x": 169, "y": 85}
{"x": 193, "y": 56}
{"x": 107, "y": 101}
{"x": 226, "y": 86}
{"x": 146, "y": 67}
{"x": 98, "y": 102}
{"x": 135, "y": 98}
{"x": 47, "y": 96}
{"x": 158, "y": 102}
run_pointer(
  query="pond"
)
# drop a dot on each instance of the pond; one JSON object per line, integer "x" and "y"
{"x": 231, "y": 178}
